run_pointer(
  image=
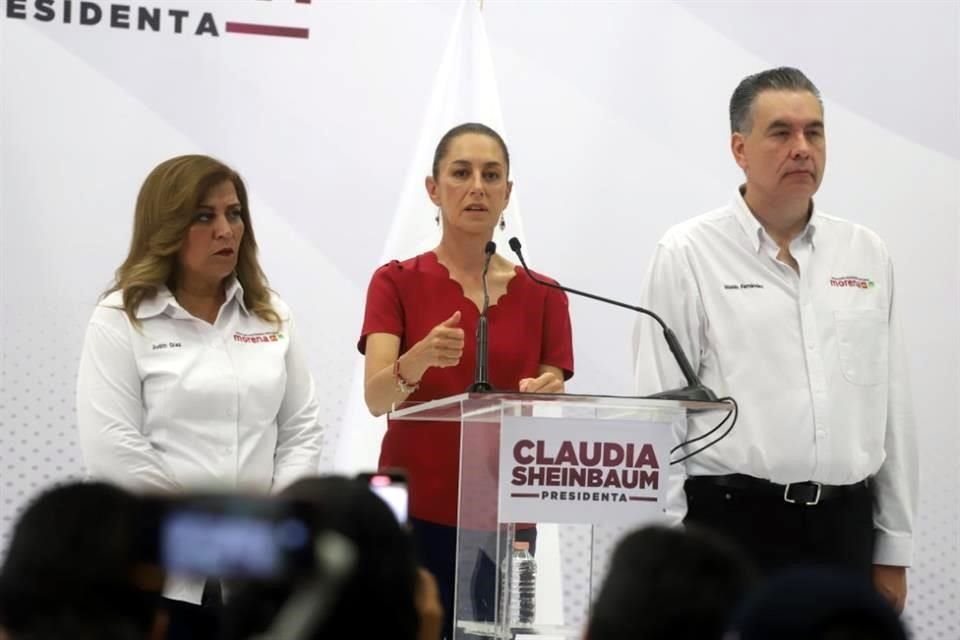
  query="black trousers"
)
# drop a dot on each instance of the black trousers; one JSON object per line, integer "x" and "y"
{"x": 436, "y": 546}
{"x": 837, "y": 532}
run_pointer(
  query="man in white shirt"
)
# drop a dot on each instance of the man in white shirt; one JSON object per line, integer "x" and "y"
{"x": 790, "y": 311}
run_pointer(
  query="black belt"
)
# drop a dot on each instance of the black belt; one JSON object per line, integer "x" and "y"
{"x": 803, "y": 493}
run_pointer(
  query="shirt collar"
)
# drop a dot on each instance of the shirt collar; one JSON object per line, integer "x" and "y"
{"x": 755, "y": 231}
{"x": 164, "y": 299}
{"x": 235, "y": 290}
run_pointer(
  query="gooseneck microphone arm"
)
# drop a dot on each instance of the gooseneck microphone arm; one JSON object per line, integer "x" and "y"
{"x": 695, "y": 390}
{"x": 481, "y": 382}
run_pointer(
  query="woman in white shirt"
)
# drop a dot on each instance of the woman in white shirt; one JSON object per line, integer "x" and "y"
{"x": 191, "y": 376}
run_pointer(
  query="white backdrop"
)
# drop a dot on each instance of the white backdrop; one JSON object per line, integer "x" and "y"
{"x": 615, "y": 113}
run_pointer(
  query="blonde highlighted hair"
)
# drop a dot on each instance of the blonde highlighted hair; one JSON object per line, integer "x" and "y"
{"x": 166, "y": 206}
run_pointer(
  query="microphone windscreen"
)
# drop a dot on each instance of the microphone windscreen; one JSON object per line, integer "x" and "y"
{"x": 514, "y": 244}
{"x": 491, "y": 248}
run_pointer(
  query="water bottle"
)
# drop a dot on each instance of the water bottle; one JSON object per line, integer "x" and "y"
{"x": 523, "y": 585}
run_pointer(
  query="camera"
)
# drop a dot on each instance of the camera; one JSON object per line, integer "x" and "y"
{"x": 232, "y": 537}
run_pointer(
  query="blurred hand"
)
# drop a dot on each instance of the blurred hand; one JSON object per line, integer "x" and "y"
{"x": 548, "y": 382}
{"x": 891, "y": 583}
{"x": 161, "y": 622}
{"x": 429, "y": 609}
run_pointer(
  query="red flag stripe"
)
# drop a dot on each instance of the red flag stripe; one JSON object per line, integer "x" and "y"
{"x": 267, "y": 30}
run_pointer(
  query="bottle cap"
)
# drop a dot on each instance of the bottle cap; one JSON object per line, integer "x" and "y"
{"x": 521, "y": 546}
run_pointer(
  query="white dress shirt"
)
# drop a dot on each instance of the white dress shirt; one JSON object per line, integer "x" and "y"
{"x": 815, "y": 360}
{"x": 181, "y": 404}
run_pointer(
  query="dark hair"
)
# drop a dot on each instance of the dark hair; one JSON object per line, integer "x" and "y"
{"x": 467, "y": 127}
{"x": 669, "y": 583}
{"x": 817, "y": 604}
{"x": 377, "y": 601}
{"x": 71, "y": 565}
{"x": 779, "y": 79}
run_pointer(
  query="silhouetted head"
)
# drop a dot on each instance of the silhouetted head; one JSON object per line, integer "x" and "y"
{"x": 665, "y": 584}
{"x": 74, "y": 567}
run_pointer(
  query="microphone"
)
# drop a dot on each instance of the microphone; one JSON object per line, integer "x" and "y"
{"x": 695, "y": 390}
{"x": 481, "y": 383}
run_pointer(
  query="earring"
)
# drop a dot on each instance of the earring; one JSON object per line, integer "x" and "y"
{"x": 437, "y": 218}
{"x": 503, "y": 223}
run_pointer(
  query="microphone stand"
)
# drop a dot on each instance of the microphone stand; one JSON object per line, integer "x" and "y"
{"x": 481, "y": 383}
{"x": 694, "y": 391}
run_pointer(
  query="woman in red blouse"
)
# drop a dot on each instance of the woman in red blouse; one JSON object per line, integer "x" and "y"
{"x": 419, "y": 327}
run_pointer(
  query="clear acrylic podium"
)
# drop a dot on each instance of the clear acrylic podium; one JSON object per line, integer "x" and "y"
{"x": 575, "y": 520}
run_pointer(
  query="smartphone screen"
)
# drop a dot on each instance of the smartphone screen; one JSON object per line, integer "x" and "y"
{"x": 391, "y": 487}
{"x": 234, "y": 538}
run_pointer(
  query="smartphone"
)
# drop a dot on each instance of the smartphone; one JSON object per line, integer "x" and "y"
{"x": 391, "y": 487}
{"x": 234, "y": 537}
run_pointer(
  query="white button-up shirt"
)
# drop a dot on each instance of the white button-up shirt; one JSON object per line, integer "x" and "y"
{"x": 182, "y": 404}
{"x": 814, "y": 359}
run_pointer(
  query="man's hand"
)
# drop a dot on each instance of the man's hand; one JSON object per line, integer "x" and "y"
{"x": 891, "y": 583}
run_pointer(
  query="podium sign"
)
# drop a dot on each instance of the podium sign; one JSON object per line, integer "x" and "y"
{"x": 568, "y": 475}
{"x": 582, "y": 471}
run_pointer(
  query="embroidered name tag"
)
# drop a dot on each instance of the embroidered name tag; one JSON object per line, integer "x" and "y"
{"x": 745, "y": 285}
{"x": 166, "y": 345}
{"x": 272, "y": 336}
{"x": 852, "y": 281}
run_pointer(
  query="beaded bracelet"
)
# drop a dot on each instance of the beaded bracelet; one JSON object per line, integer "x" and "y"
{"x": 403, "y": 385}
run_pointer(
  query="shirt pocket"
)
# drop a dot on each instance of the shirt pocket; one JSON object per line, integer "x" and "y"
{"x": 863, "y": 345}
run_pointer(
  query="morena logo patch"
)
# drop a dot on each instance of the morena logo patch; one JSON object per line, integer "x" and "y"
{"x": 852, "y": 282}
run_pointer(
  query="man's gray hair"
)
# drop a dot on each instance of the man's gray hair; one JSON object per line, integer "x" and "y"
{"x": 779, "y": 79}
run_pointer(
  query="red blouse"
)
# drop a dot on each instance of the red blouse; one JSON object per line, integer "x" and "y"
{"x": 528, "y": 326}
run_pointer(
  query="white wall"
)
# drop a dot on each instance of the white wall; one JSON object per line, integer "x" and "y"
{"x": 616, "y": 117}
